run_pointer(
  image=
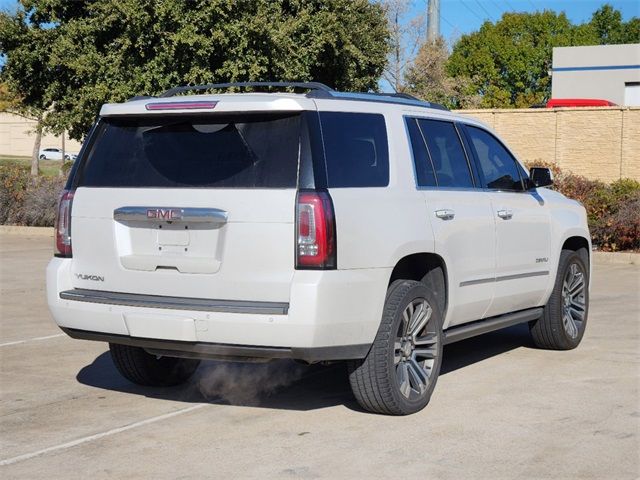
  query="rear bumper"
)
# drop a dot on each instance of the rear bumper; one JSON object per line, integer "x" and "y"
{"x": 222, "y": 351}
{"x": 330, "y": 315}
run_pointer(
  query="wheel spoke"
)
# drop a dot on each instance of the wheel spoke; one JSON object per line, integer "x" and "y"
{"x": 397, "y": 353}
{"x": 418, "y": 376}
{"x": 576, "y": 314}
{"x": 570, "y": 325}
{"x": 420, "y": 317}
{"x": 402, "y": 372}
{"x": 577, "y": 286}
{"x": 405, "y": 322}
{"x": 428, "y": 339}
{"x": 428, "y": 353}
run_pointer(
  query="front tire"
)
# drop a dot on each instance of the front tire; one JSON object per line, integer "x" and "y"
{"x": 43, "y": 157}
{"x": 142, "y": 368}
{"x": 401, "y": 370}
{"x": 564, "y": 320}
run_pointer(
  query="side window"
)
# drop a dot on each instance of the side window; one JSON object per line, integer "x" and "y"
{"x": 446, "y": 152}
{"x": 425, "y": 177}
{"x": 356, "y": 149}
{"x": 498, "y": 169}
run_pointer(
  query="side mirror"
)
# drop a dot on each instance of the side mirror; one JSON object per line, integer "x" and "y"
{"x": 540, "y": 177}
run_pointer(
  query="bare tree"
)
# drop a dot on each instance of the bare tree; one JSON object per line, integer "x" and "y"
{"x": 406, "y": 35}
{"x": 427, "y": 78}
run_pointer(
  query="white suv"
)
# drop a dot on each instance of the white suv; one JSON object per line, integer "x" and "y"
{"x": 318, "y": 226}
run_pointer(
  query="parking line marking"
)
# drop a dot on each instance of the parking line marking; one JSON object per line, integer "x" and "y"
{"x": 97, "y": 436}
{"x": 18, "y": 342}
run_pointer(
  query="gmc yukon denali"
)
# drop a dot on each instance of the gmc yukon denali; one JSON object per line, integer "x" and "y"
{"x": 295, "y": 221}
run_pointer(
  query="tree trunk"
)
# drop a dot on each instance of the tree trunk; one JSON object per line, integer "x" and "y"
{"x": 61, "y": 170}
{"x": 35, "y": 156}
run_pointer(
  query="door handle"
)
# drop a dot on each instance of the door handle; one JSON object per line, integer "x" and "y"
{"x": 505, "y": 214}
{"x": 445, "y": 214}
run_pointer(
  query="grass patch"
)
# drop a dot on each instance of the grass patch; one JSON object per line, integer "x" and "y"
{"x": 48, "y": 168}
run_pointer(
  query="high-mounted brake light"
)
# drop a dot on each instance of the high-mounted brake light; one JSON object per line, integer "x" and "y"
{"x": 63, "y": 225}
{"x": 315, "y": 231}
{"x": 202, "y": 105}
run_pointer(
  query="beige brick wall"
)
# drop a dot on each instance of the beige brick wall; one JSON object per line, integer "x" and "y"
{"x": 599, "y": 143}
{"x": 17, "y": 137}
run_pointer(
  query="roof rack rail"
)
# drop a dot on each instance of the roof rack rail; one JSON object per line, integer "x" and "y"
{"x": 316, "y": 90}
{"x": 414, "y": 100}
{"x": 316, "y": 86}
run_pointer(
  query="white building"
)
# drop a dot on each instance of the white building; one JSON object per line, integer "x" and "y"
{"x": 607, "y": 72}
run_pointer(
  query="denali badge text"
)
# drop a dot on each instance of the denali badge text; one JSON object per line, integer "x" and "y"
{"x": 164, "y": 213}
{"x": 95, "y": 278}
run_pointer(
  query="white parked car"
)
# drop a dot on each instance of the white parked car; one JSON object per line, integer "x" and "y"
{"x": 56, "y": 154}
{"x": 320, "y": 227}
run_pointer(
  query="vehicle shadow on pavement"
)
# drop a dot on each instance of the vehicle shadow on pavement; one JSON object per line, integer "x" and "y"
{"x": 287, "y": 385}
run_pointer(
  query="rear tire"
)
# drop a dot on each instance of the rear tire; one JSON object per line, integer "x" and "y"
{"x": 142, "y": 368}
{"x": 401, "y": 370}
{"x": 43, "y": 157}
{"x": 564, "y": 320}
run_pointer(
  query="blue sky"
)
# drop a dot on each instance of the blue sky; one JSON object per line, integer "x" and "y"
{"x": 463, "y": 16}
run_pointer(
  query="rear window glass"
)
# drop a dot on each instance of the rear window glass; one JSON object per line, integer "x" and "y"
{"x": 356, "y": 149}
{"x": 248, "y": 151}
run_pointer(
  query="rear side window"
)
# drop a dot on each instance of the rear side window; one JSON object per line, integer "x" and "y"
{"x": 356, "y": 149}
{"x": 248, "y": 151}
{"x": 498, "y": 169}
{"x": 447, "y": 154}
{"x": 425, "y": 176}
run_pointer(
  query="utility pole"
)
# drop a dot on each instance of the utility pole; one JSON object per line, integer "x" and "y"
{"x": 433, "y": 20}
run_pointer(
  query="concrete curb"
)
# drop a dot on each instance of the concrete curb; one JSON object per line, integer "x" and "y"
{"x": 21, "y": 230}
{"x": 616, "y": 258}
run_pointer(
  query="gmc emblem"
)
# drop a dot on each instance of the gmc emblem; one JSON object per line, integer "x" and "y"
{"x": 164, "y": 213}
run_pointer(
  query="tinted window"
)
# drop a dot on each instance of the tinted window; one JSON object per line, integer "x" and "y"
{"x": 498, "y": 169}
{"x": 259, "y": 151}
{"x": 425, "y": 177}
{"x": 356, "y": 150}
{"x": 447, "y": 154}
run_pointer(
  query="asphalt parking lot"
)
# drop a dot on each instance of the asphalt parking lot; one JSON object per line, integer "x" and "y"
{"x": 501, "y": 410}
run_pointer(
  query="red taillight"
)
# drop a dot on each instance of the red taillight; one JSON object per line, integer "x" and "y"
{"x": 63, "y": 225}
{"x": 315, "y": 231}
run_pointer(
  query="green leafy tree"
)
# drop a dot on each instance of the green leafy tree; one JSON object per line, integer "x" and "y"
{"x": 93, "y": 52}
{"x": 25, "y": 74}
{"x": 508, "y": 62}
{"x": 606, "y": 27}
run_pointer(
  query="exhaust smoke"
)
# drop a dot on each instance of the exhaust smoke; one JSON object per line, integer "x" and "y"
{"x": 246, "y": 383}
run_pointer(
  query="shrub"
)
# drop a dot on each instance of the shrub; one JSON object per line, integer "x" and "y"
{"x": 25, "y": 200}
{"x": 613, "y": 209}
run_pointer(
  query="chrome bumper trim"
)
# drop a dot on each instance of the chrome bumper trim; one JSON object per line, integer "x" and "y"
{"x": 175, "y": 303}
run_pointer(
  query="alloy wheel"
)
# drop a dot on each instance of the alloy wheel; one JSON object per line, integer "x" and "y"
{"x": 415, "y": 349}
{"x": 573, "y": 300}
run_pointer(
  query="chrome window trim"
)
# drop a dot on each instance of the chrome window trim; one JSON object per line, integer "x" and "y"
{"x": 509, "y": 152}
{"x": 455, "y": 123}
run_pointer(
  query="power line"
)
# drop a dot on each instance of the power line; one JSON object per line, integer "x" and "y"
{"x": 509, "y": 5}
{"x": 472, "y": 11}
{"x": 534, "y": 7}
{"x": 485, "y": 10}
{"x": 500, "y": 12}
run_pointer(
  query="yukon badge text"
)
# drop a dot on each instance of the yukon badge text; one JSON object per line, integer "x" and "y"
{"x": 95, "y": 278}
